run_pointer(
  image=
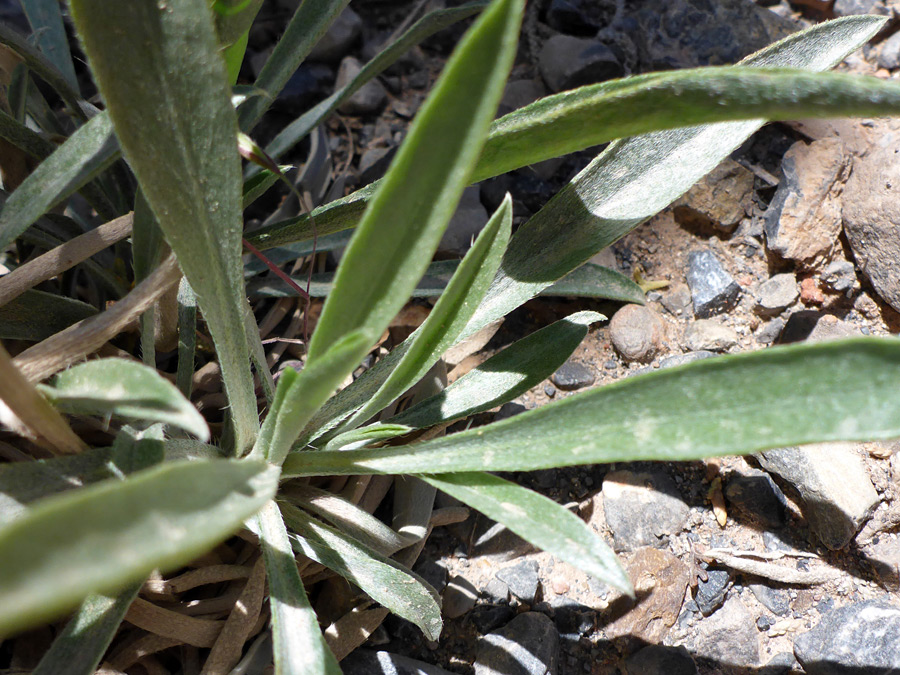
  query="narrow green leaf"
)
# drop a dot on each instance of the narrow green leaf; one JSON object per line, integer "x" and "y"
{"x": 24, "y": 138}
{"x": 298, "y": 396}
{"x": 594, "y": 281}
{"x": 187, "y": 338}
{"x": 85, "y": 154}
{"x": 635, "y": 178}
{"x": 173, "y": 117}
{"x": 725, "y": 406}
{"x": 541, "y": 521}
{"x": 234, "y": 18}
{"x": 504, "y": 376}
{"x": 50, "y": 34}
{"x": 36, "y": 315}
{"x": 428, "y": 25}
{"x": 449, "y": 316}
{"x": 404, "y": 593}
{"x": 80, "y": 647}
{"x": 407, "y": 216}
{"x": 298, "y": 645}
{"x": 360, "y": 438}
{"x": 256, "y": 186}
{"x": 125, "y": 389}
{"x": 309, "y": 23}
{"x": 159, "y": 518}
{"x": 292, "y": 252}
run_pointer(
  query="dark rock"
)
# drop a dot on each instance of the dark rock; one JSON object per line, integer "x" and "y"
{"x": 709, "y": 335}
{"x": 803, "y": 220}
{"x": 369, "y": 98}
{"x": 339, "y": 39}
{"x": 637, "y": 333}
{"x": 496, "y": 591}
{"x": 659, "y": 660}
{"x": 857, "y": 638}
{"x": 729, "y": 636}
{"x": 851, "y": 7}
{"x": 570, "y": 17}
{"x": 780, "y": 664}
{"x": 572, "y": 618}
{"x": 642, "y": 509}
{"x": 458, "y": 598}
{"x": 711, "y": 593}
{"x": 522, "y": 579}
{"x": 310, "y": 82}
{"x": 490, "y": 617}
{"x": 567, "y": 62}
{"x": 776, "y": 601}
{"x": 572, "y": 375}
{"x": 777, "y": 293}
{"x": 374, "y": 164}
{"x": 815, "y": 327}
{"x": 519, "y": 93}
{"x": 432, "y": 572}
{"x": 468, "y": 220}
{"x": 367, "y": 662}
{"x": 510, "y": 409}
{"x": 712, "y": 288}
{"x": 418, "y": 79}
{"x": 756, "y": 498}
{"x": 837, "y": 494}
{"x": 719, "y": 201}
{"x": 527, "y": 645}
{"x": 764, "y": 623}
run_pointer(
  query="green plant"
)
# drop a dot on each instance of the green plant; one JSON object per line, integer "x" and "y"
{"x": 156, "y": 499}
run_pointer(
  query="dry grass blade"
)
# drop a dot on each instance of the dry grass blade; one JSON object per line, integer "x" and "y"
{"x": 126, "y": 657}
{"x": 63, "y": 257}
{"x": 240, "y": 623}
{"x": 27, "y": 408}
{"x": 165, "y": 622}
{"x": 85, "y": 337}
{"x": 352, "y": 629}
{"x": 213, "y": 574}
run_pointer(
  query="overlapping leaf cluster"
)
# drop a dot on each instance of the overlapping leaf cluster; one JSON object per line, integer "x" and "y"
{"x": 155, "y": 499}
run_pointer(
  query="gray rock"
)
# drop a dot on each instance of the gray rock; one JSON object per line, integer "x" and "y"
{"x": 777, "y": 293}
{"x": 720, "y": 200}
{"x": 756, "y": 498}
{"x": 510, "y": 409}
{"x": 368, "y": 662}
{"x": 871, "y": 211}
{"x": 636, "y": 332}
{"x": 468, "y": 220}
{"x": 432, "y": 572}
{"x": 773, "y": 599}
{"x": 712, "y": 288}
{"x": 496, "y": 591}
{"x": 780, "y": 664}
{"x": 840, "y": 275}
{"x": 567, "y": 62}
{"x": 374, "y": 164}
{"x": 370, "y": 98}
{"x": 889, "y": 54}
{"x": 837, "y": 495}
{"x": 659, "y": 660}
{"x": 674, "y": 360}
{"x": 884, "y": 558}
{"x": 499, "y": 542}
{"x": 709, "y": 335}
{"x": 522, "y": 579}
{"x": 728, "y": 637}
{"x": 642, "y": 509}
{"x": 572, "y": 375}
{"x": 803, "y": 220}
{"x": 677, "y": 299}
{"x": 857, "y": 638}
{"x": 309, "y": 82}
{"x": 815, "y": 327}
{"x": 711, "y": 593}
{"x": 458, "y": 598}
{"x": 490, "y": 617}
{"x": 339, "y": 39}
{"x": 520, "y": 93}
{"x": 770, "y": 331}
{"x": 851, "y": 7}
{"x": 527, "y": 645}
{"x": 570, "y": 17}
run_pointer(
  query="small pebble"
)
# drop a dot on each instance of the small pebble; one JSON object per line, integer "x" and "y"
{"x": 572, "y": 375}
{"x": 637, "y": 333}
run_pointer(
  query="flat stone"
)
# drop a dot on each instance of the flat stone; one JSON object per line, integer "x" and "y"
{"x": 660, "y": 580}
{"x": 527, "y": 645}
{"x": 374, "y": 163}
{"x": 857, "y": 638}
{"x": 642, "y": 509}
{"x": 770, "y": 331}
{"x": 729, "y": 636}
{"x": 852, "y": 7}
{"x": 871, "y": 212}
{"x": 566, "y": 62}
{"x": 777, "y": 293}
{"x": 709, "y": 335}
{"x": 713, "y": 290}
{"x": 889, "y": 54}
{"x": 677, "y": 299}
{"x": 636, "y": 332}
{"x": 368, "y": 662}
{"x": 720, "y": 200}
{"x": 837, "y": 495}
{"x": 815, "y": 326}
{"x": 468, "y": 220}
{"x": 339, "y": 38}
{"x": 711, "y": 593}
{"x": 674, "y": 360}
{"x": 458, "y": 598}
{"x": 370, "y": 98}
{"x": 522, "y": 579}
{"x": 660, "y": 660}
{"x": 803, "y": 220}
{"x": 572, "y": 375}
{"x": 773, "y": 599}
{"x": 755, "y": 497}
